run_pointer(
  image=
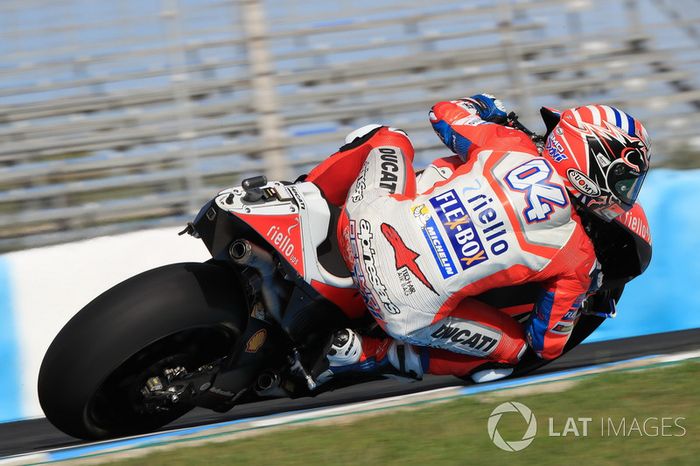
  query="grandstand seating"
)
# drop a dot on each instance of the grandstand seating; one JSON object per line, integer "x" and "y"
{"x": 127, "y": 116}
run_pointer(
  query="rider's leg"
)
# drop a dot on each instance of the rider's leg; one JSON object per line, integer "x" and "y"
{"x": 335, "y": 175}
{"x": 474, "y": 339}
{"x": 352, "y": 353}
{"x": 387, "y": 356}
{"x": 475, "y": 329}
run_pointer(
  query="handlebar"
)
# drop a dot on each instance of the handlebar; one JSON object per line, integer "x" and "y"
{"x": 512, "y": 121}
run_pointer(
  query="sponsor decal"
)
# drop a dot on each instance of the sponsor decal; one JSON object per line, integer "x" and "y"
{"x": 283, "y": 241}
{"x": 360, "y": 185}
{"x": 563, "y": 328}
{"x": 494, "y": 230}
{"x": 219, "y": 391}
{"x": 555, "y": 150}
{"x": 283, "y": 232}
{"x": 404, "y": 257}
{"x": 365, "y": 271}
{"x": 406, "y": 281}
{"x": 256, "y": 341}
{"x": 435, "y": 240}
{"x": 348, "y": 252}
{"x": 459, "y": 228}
{"x": 297, "y": 196}
{"x": 637, "y": 225}
{"x": 468, "y": 336}
{"x": 389, "y": 173}
{"x": 582, "y": 183}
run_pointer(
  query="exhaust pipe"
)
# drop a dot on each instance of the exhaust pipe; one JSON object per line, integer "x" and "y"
{"x": 266, "y": 381}
{"x": 268, "y": 384}
{"x": 239, "y": 250}
{"x": 245, "y": 253}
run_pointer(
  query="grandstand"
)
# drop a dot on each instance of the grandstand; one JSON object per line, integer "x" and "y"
{"x": 116, "y": 116}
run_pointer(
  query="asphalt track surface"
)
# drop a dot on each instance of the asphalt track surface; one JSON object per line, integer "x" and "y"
{"x": 38, "y": 434}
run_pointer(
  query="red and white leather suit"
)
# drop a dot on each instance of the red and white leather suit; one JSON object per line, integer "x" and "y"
{"x": 420, "y": 249}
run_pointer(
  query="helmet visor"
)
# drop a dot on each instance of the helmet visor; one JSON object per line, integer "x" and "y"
{"x": 625, "y": 182}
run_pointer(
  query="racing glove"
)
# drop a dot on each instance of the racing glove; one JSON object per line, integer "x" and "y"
{"x": 488, "y": 108}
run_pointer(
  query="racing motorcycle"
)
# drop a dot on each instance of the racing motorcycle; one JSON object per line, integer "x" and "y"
{"x": 258, "y": 315}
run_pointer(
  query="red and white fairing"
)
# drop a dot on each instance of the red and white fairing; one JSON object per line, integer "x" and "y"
{"x": 635, "y": 220}
{"x": 295, "y": 223}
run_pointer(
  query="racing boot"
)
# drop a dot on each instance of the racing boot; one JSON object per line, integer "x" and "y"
{"x": 352, "y": 353}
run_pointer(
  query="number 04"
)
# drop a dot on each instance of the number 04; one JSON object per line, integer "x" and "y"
{"x": 541, "y": 195}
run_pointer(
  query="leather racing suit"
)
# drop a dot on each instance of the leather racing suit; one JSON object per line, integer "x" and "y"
{"x": 419, "y": 249}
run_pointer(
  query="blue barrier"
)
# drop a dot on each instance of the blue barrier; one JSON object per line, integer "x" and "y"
{"x": 667, "y": 297}
{"x": 10, "y": 407}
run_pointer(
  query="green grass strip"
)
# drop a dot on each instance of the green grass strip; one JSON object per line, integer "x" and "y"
{"x": 455, "y": 431}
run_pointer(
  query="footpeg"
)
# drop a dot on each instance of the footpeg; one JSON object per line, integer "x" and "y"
{"x": 298, "y": 368}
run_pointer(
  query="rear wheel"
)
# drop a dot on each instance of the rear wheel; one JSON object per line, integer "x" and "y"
{"x": 180, "y": 315}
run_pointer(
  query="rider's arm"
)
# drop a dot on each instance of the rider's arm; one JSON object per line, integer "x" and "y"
{"x": 557, "y": 309}
{"x": 473, "y": 123}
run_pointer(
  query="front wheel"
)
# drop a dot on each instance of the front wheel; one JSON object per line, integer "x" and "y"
{"x": 180, "y": 315}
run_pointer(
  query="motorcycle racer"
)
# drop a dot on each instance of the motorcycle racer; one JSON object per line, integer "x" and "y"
{"x": 497, "y": 213}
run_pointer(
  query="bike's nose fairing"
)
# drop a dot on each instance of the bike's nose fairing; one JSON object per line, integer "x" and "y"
{"x": 635, "y": 222}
